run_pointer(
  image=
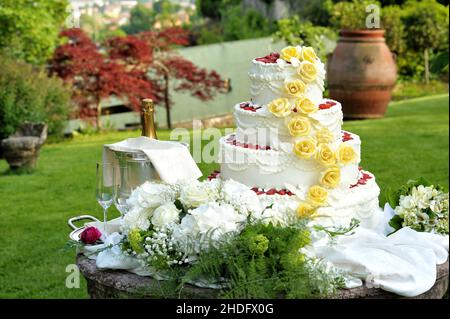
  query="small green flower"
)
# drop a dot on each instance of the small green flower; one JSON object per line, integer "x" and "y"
{"x": 258, "y": 244}
{"x": 136, "y": 240}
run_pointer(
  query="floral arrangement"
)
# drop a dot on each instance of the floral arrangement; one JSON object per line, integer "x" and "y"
{"x": 305, "y": 68}
{"x": 220, "y": 234}
{"x": 420, "y": 206}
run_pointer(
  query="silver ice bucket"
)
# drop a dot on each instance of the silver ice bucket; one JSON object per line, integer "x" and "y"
{"x": 140, "y": 168}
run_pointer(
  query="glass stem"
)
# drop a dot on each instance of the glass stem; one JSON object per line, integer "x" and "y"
{"x": 105, "y": 221}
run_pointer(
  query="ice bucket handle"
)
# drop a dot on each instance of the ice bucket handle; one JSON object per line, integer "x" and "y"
{"x": 71, "y": 221}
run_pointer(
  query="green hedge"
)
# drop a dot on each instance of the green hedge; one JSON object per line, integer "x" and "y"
{"x": 28, "y": 94}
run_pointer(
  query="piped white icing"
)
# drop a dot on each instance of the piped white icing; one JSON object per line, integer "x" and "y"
{"x": 268, "y": 80}
{"x": 360, "y": 202}
{"x": 276, "y": 168}
{"x": 262, "y": 127}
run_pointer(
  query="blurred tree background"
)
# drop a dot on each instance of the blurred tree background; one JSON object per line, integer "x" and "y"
{"x": 29, "y": 29}
{"x": 416, "y": 32}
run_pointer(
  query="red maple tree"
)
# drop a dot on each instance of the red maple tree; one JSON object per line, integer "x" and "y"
{"x": 132, "y": 68}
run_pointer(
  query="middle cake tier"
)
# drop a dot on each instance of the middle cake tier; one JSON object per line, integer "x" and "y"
{"x": 256, "y": 125}
{"x": 258, "y": 165}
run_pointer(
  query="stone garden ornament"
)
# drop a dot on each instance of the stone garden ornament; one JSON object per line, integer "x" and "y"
{"x": 21, "y": 149}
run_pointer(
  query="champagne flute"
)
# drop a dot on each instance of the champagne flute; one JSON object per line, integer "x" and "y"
{"x": 104, "y": 190}
{"x": 122, "y": 189}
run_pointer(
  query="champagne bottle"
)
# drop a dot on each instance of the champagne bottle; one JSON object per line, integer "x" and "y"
{"x": 148, "y": 119}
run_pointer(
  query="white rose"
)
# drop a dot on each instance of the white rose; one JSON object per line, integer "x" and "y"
{"x": 217, "y": 219}
{"x": 185, "y": 235}
{"x": 241, "y": 197}
{"x": 137, "y": 217}
{"x": 273, "y": 216}
{"x": 207, "y": 222}
{"x": 399, "y": 210}
{"x": 165, "y": 214}
{"x": 133, "y": 200}
{"x": 408, "y": 202}
{"x": 281, "y": 213}
{"x": 151, "y": 195}
{"x": 440, "y": 203}
{"x": 193, "y": 194}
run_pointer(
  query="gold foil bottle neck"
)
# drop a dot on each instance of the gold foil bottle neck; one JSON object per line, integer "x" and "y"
{"x": 148, "y": 118}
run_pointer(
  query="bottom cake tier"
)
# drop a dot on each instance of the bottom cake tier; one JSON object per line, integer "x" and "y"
{"x": 359, "y": 201}
{"x": 262, "y": 166}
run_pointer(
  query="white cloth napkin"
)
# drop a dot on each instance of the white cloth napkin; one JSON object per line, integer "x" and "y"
{"x": 403, "y": 263}
{"x": 172, "y": 160}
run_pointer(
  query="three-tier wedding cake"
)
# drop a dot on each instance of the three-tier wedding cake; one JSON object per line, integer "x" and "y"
{"x": 289, "y": 145}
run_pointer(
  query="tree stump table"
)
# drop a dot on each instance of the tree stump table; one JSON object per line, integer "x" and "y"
{"x": 105, "y": 284}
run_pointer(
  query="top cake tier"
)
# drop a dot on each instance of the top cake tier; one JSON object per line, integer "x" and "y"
{"x": 296, "y": 73}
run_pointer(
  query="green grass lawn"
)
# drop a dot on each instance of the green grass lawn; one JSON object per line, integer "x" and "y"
{"x": 411, "y": 89}
{"x": 411, "y": 141}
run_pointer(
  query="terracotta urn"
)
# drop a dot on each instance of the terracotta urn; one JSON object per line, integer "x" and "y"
{"x": 361, "y": 73}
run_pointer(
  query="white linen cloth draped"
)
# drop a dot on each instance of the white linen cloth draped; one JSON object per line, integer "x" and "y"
{"x": 403, "y": 263}
{"x": 171, "y": 160}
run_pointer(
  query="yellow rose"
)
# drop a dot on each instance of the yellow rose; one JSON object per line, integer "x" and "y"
{"x": 346, "y": 154}
{"x": 325, "y": 155}
{"x": 295, "y": 88}
{"x": 317, "y": 195}
{"x": 279, "y": 107}
{"x": 331, "y": 177}
{"x": 299, "y": 126}
{"x": 305, "y": 210}
{"x": 289, "y": 52}
{"x": 305, "y": 105}
{"x": 307, "y": 71}
{"x": 324, "y": 136}
{"x": 305, "y": 148}
{"x": 308, "y": 54}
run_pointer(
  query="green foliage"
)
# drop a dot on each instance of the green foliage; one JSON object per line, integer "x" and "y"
{"x": 208, "y": 33}
{"x": 165, "y": 11}
{"x": 264, "y": 262}
{"x": 136, "y": 240}
{"x": 426, "y": 25}
{"x": 141, "y": 19}
{"x": 234, "y": 23}
{"x": 351, "y": 15}
{"x": 412, "y": 89}
{"x": 106, "y": 33}
{"x": 28, "y": 94}
{"x": 29, "y": 29}
{"x": 213, "y": 9}
{"x": 318, "y": 12}
{"x": 439, "y": 63}
{"x": 297, "y": 32}
{"x": 391, "y": 21}
{"x": 239, "y": 23}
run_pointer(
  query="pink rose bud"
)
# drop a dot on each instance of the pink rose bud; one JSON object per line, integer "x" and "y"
{"x": 90, "y": 235}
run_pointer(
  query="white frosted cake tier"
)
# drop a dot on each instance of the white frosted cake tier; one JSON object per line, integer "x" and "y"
{"x": 359, "y": 201}
{"x": 256, "y": 125}
{"x": 268, "y": 81}
{"x": 262, "y": 166}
